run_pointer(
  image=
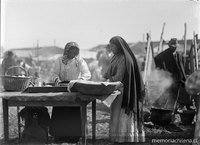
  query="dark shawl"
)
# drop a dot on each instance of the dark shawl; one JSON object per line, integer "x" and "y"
{"x": 171, "y": 62}
{"x": 132, "y": 81}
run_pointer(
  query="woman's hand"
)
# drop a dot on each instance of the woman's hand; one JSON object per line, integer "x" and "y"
{"x": 57, "y": 80}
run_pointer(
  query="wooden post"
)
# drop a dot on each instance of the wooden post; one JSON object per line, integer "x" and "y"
{"x": 160, "y": 48}
{"x": 6, "y": 120}
{"x": 196, "y": 53}
{"x": 84, "y": 122}
{"x": 185, "y": 40}
{"x": 147, "y": 57}
{"x": 93, "y": 121}
{"x": 38, "y": 52}
{"x": 192, "y": 58}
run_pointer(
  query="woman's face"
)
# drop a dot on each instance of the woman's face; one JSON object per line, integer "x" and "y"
{"x": 72, "y": 52}
{"x": 113, "y": 48}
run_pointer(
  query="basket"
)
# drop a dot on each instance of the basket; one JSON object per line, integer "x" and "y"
{"x": 15, "y": 83}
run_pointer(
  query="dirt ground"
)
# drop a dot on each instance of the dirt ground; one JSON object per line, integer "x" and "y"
{"x": 102, "y": 129}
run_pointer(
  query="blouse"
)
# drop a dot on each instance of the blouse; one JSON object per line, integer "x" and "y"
{"x": 76, "y": 68}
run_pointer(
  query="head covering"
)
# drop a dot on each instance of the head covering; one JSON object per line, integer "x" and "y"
{"x": 69, "y": 45}
{"x": 173, "y": 42}
{"x": 133, "y": 83}
{"x": 66, "y": 50}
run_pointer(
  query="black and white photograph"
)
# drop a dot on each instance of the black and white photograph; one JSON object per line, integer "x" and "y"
{"x": 100, "y": 72}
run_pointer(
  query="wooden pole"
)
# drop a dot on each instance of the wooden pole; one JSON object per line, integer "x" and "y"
{"x": 192, "y": 58}
{"x": 54, "y": 42}
{"x": 196, "y": 53}
{"x": 147, "y": 57}
{"x": 160, "y": 48}
{"x": 185, "y": 40}
{"x": 38, "y": 51}
{"x": 146, "y": 68}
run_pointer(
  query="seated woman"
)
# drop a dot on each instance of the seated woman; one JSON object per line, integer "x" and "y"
{"x": 65, "y": 124}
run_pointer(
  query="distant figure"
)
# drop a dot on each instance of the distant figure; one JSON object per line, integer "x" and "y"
{"x": 99, "y": 66}
{"x": 172, "y": 61}
{"x": 104, "y": 59}
{"x": 95, "y": 70}
{"x": 8, "y": 61}
{"x": 22, "y": 64}
{"x": 126, "y": 121}
{"x": 28, "y": 70}
{"x": 192, "y": 86}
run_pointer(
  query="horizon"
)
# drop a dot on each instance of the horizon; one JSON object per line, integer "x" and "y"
{"x": 93, "y": 22}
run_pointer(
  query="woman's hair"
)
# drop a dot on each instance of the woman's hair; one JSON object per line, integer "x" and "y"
{"x": 8, "y": 53}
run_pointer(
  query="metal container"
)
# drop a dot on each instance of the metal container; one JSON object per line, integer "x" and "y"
{"x": 160, "y": 116}
{"x": 187, "y": 116}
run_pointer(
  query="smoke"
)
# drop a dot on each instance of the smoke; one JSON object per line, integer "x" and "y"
{"x": 158, "y": 83}
{"x": 96, "y": 71}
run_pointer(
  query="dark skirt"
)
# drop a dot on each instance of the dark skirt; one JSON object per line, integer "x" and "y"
{"x": 66, "y": 122}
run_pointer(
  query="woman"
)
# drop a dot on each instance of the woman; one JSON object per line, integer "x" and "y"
{"x": 70, "y": 66}
{"x": 126, "y": 123}
{"x": 65, "y": 123}
{"x": 9, "y": 61}
{"x": 192, "y": 86}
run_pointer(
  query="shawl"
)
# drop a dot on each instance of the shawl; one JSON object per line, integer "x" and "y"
{"x": 172, "y": 62}
{"x": 67, "y": 47}
{"x": 132, "y": 81}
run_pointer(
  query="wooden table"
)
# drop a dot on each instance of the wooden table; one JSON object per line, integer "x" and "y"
{"x": 50, "y": 99}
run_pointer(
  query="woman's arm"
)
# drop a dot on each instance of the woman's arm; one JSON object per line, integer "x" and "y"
{"x": 85, "y": 73}
{"x": 55, "y": 71}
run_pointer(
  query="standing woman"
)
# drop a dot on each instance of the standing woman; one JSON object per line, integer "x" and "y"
{"x": 9, "y": 60}
{"x": 126, "y": 123}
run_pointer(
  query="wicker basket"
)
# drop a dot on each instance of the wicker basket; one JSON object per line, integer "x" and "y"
{"x": 15, "y": 83}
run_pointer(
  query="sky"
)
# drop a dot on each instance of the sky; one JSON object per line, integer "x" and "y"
{"x": 94, "y": 22}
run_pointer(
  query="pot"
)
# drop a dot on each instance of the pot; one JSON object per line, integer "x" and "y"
{"x": 187, "y": 116}
{"x": 160, "y": 116}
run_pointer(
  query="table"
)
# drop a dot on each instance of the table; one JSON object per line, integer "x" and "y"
{"x": 50, "y": 99}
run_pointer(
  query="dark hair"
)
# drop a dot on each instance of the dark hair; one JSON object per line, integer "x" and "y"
{"x": 10, "y": 53}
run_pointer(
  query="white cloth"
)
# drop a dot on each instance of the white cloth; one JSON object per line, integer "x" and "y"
{"x": 108, "y": 101}
{"x": 75, "y": 69}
